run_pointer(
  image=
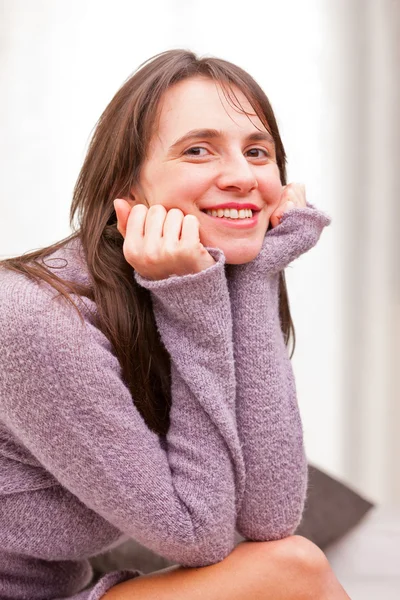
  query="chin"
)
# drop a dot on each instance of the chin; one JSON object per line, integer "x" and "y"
{"x": 238, "y": 260}
{"x": 237, "y": 252}
{"x": 239, "y": 257}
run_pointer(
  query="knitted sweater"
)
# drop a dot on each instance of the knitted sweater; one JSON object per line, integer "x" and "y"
{"x": 80, "y": 472}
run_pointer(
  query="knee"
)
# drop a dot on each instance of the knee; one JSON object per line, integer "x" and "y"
{"x": 294, "y": 565}
{"x": 295, "y": 550}
{"x": 300, "y": 552}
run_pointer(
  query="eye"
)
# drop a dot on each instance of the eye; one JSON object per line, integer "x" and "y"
{"x": 194, "y": 151}
{"x": 266, "y": 153}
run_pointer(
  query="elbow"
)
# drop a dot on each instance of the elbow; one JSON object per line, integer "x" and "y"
{"x": 203, "y": 555}
{"x": 207, "y": 547}
{"x": 280, "y": 516}
{"x": 266, "y": 532}
{"x": 203, "y": 537}
{"x": 274, "y": 526}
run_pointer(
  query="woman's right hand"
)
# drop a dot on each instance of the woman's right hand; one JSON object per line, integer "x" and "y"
{"x": 160, "y": 243}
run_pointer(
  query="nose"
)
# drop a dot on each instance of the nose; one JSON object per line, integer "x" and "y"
{"x": 236, "y": 174}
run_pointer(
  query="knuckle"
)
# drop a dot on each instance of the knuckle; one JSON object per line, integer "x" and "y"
{"x": 139, "y": 208}
{"x": 170, "y": 249}
{"x": 176, "y": 211}
{"x": 157, "y": 208}
{"x": 191, "y": 217}
{"x": 186, "y": 249}
{"x": 151, "y": 258}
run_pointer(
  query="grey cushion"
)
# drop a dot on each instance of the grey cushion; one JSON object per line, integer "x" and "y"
{"x": 332, "y": 509}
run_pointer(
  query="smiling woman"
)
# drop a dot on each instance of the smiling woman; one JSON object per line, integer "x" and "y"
{"x": 208, "y": 154}
{"x": 167, "y": 411}
{"x": 211, "y": 153}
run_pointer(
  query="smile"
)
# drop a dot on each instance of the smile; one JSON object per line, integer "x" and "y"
{"x": 235, "y": 222}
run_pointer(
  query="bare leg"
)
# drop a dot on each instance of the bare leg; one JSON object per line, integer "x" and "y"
{"x": 292, "y": 568}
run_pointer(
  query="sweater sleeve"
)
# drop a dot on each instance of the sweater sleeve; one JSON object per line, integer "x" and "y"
{"x": 104, "y": 583}
{"x": 64, "y": 398}
{"x": 268, "y": 418}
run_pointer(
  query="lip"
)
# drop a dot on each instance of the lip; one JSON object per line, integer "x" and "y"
{"x": 236, "y": 223}
{"x": 237, "y": 205}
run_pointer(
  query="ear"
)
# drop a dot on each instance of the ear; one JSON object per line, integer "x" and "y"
{"x": 135, "y": 196}
{"x": 130, "y": 198}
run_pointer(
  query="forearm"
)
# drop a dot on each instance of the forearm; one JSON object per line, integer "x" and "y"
{"x": 268, "y": 418}
{"x": 269, "y": 423}
{"x": 193, "y": 317}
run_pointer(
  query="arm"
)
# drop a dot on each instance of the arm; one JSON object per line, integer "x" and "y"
{"x": 268, "y": 416}
{"x": 63, "y": 397}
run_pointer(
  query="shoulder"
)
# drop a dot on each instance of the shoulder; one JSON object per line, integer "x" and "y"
{"x": 49, "y": 349}
{"x": 32, "y": 309}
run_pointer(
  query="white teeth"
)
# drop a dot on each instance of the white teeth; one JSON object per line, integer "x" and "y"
{"x": 231, "y": 213}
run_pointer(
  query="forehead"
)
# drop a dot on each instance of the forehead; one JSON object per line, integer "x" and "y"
{"x": 200, "y": 103}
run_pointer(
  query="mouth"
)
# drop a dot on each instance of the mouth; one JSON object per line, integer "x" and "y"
{"x": 231, "y": 214}
{"x": 247, "y": 219}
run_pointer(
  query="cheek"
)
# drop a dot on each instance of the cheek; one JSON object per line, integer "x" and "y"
{"x": 178, "y": 187}
{"x": 271, "y": 190}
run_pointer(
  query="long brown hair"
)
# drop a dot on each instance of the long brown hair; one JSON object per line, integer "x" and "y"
{"x": 111, "y": 167}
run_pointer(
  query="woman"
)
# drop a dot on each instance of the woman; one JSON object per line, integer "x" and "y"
{"x": 158, "y": 401}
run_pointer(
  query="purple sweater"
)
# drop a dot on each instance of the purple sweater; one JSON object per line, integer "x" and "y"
{"x": 80, "y": 472}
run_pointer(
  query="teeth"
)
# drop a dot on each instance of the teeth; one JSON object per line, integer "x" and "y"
{"x": 231, "y": 213}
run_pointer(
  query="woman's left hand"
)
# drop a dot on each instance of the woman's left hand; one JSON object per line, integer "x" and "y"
{"x": 293, "y": 196}
{"x": 300, "y": 230}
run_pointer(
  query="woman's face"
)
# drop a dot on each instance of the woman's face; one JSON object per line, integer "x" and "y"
{"x": 203, "y": 155}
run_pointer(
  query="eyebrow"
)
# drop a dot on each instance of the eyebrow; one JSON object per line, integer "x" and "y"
{"x": 210, "y": 134}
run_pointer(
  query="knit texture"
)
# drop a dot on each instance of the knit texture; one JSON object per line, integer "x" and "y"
{"x": 80, "y": 472}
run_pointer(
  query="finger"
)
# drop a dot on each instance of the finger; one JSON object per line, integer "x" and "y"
{"x": 275, "y": 220}
{"x": 190, "y": 229}
{"x": 276, "y": 217}
{"x": 287, "y": 194}
{"x": 292, "y": 193}
{"x": 303, "y": 195}
{"x": 289, "y": 204}
{"x": 285, "y": 208}
{"x": 173, "y": 225}
{"x": 296, "y": 193}
{"x": 153, "y": 227}
{"x": 135, "y": 225}
{"x": 122, "y": 211}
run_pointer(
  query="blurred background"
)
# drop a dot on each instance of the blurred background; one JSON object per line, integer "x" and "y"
{"x": 330, "y": 69}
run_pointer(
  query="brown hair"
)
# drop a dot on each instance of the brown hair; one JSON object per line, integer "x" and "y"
{"x": 111, "y": 167}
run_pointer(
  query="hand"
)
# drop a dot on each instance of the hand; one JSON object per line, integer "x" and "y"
{"x": 299, "y": 231}
{"x": 293, "y": 196}
{"x": 159, "y": 243}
